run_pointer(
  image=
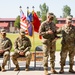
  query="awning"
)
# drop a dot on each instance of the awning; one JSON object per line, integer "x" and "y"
{"x": 59, "y": 25}
{"x": 74, "y": 24}
{"x": 3, "y": 24}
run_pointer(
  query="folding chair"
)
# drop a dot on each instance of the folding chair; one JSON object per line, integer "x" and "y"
{"x": 38, "y": 56}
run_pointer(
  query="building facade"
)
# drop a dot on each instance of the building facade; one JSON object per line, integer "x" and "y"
{"x": 62, "y": 21}
{"x": 8, "y": 24}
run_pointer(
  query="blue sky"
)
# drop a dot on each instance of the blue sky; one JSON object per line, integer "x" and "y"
{"x": 10, "y": 8}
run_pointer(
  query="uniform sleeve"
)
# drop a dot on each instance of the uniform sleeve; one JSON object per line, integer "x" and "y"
{"x": 9, "y": 45}
{"x": 74, "y": 35}
{"x": 28, "y": 46}
{"x": 59, "y": 30}
{"x": 16, "y": 46}
{"x": 54, "y": 29}
{"x": 42, "y": 31}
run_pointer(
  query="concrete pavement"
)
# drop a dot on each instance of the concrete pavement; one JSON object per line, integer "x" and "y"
{"x": 39, "y": 69}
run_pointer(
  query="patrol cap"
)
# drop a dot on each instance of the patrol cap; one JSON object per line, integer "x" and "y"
{"x": 50, "y": 14}
{"x": 3, "y": 31}
{"x": 69, "y": 19}
{"x": 22, "y": 31}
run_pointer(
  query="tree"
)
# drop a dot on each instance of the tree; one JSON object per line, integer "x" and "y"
{"x": 55, "y": 20}
{"x": 66, "y": 11}
{"x": 43, "y": 11}
{"x": 38, "y": 14}
{"x": 17, "y": 22}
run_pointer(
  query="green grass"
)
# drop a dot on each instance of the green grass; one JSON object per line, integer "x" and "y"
{"x": 58, "y": 45}
{"x": 34, "y": 40}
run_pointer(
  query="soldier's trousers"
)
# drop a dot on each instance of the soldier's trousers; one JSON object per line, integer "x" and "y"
{"x": 15, "y": 55}
{"x": 49, "y": 50}
{"x": 67, "y": 49}
{"x": 6, "y": 56}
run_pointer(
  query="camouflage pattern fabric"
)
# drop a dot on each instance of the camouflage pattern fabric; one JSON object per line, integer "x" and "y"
{"x": 6, "y": 45}
{"x": 48, "y": 46}
{"x": 24, "y": 45}
{"x": 68, "y": 44}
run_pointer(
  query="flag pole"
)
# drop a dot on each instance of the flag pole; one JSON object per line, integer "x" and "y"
{"x": 32, "y": 26}
{"x": 20, "y": 11}
{"x": 20, "y": 7}
{"x": 33, "y": 30}
{"x": 27, "y": 11}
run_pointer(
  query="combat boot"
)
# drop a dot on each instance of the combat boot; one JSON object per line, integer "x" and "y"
{"x": 27, "y": 68}
{"x": 53, "y": 71}
{"x": 46, "y": 72}
{"x": 61, "y": 69}
{"x": 3, "y": 68}
{"x": 28, "y": 62}
{"x": 17, "y": 68}
{"x": 71, "y": 69}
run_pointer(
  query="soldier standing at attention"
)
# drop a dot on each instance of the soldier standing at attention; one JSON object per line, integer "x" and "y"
{"x": 48, "y": 32}
{"x": 68, "y": 38}
{"x": 5, "y": 47}
{"x": 22, "y": 47}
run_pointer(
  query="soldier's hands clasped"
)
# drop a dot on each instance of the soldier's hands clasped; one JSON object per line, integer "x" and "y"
{"x": 49, "y": 32}
{"x": 1, "y": 51}
{"x": 21, "y": 53}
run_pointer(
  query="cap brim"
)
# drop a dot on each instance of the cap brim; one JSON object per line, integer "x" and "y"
{"x": 52, "y": 15}
{"x": 22, "y": 33}
{"x": 69, "y": 20}
{"x": 3, "y": 32}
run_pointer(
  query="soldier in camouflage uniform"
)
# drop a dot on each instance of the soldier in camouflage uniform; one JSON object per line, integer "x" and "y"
{"x": 5, "y": 47}
{"x": 48, "y": 32}
{"x": 22, "y": 47}
{"x": 68, "y": 38}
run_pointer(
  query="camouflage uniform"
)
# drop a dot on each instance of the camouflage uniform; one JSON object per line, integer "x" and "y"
{"x": 6, "y": 45}
{"x": 68, "y": 34}
{"x": 48, "y": 46}
{"x": 68, "y": 38}
{"x": 24, "y": 45}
